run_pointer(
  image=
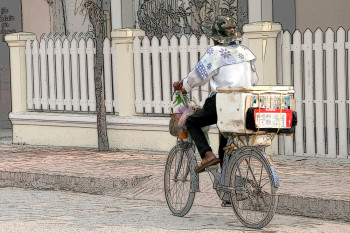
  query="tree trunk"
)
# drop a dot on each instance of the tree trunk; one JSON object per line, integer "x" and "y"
{"x": 57, "y": 17}
{"x": 96, "y": 17}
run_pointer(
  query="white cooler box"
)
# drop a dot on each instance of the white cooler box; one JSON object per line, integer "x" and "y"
{"x": 232, "y": 104}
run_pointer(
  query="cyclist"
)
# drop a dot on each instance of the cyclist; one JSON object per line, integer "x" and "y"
{"x": 226, "y": 64}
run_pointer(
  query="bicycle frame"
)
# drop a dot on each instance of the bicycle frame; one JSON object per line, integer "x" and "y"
{"x": 226, "y": 189}
{"x": 185, "y": 146}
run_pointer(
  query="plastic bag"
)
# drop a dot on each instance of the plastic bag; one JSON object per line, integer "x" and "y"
{"x": 187, "y": 111}
{"x": 182, "y": 112}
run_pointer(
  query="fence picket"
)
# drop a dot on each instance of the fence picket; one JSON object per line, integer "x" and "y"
{"x": 147, "y": 79}
{"x": 309, "y": 99}
{"x": 43, "y": 73}
{"x": 30, "y": 104}
{"x": 36, "y": 97}
{"x": 319, "y": 94}
{"x": 59, "y": 75}
{"x": 287, "y": 141}
{"x": 203, "y": 47}
{"x": 107, "y": 73}
{"x": 347, "y": 45}
{"x": 174, "y": 56}
{"x": 52, "y": 83}
{"x": 75, "y": 77}
{"x": 166, "y": 84}
{"x": 341, "y": 82}
{"x": 309, "y": 94}
{"x": 193, "y": 51}
{"x": 83, "y": 77}
{"x": 29, "y": 54}
{"x": 157, "y": 98}
{"x": 331, "y": 131}
{"x": 67, "y": 76}
{"x": 299, "y": 129}
{"x": 279, "y": 43}
{"x": 90, "y": 51}
{"x": 281, "y": 138}
{"x": 183, "y": 57}
{"x": 114, "y": 78}
{"x": 138, "y": 75}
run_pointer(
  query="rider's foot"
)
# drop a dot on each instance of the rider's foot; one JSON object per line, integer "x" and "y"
{"x": 208, "y": 160}
{"x": 209, "y": 155}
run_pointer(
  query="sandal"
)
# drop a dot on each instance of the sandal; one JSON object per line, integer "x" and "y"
{"x": 206, "y": 164}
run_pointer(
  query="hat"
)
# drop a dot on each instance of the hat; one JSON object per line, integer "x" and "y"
{"x": 223, "y": 29}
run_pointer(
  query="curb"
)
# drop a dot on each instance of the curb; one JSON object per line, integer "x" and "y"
{"x": 90, "y": 185}
{"x": 314, "y": 207}
{"x": 287, "y": 205}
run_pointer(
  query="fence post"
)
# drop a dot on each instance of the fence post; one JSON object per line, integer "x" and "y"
{"x": 262, "y": 41}
{"x": 123, "y": 40}
{"x": 17, "y": 44}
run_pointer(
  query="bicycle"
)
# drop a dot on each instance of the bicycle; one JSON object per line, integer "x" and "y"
{"x": 248, "y": 179}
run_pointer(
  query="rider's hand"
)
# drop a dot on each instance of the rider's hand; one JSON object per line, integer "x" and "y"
{"x": 177, "y": 85}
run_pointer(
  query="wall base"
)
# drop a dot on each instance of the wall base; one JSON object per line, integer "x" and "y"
{"x": 57, "y": 129}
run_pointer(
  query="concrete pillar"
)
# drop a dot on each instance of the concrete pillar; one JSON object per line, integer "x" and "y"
{"x": 17, "y": 44}
{"x": 116, "y": 14}
{"x": 260, "y": 10}
{"x": 262, "y": 41}
{"x": 254, "y": 11}
{"x": 123, "y": 39}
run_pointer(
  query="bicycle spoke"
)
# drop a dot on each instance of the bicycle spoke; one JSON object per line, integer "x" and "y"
{"x": 265, "y": 184}
{"x": 245, "y": 182}
{"x": 250, "y": 169}
{"x": 254, "y": 206}
{"x": 263, "y": 199}
{"x": 177, "y": 183}
{"x": 262, "y": 167}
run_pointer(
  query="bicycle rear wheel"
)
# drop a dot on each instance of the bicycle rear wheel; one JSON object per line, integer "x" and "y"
{"x": 253, "y": 196}
{"x": 178, "y": 181}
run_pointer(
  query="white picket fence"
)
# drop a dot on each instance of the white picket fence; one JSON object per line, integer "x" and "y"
{"x": 60, "y": 78}
{"x": 158, "y": 65}
{"x": 318, "y": 68}
{"x": 60, "y": 75}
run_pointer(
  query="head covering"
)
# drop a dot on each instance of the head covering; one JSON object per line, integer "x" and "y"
{"x": 223, "y": 29}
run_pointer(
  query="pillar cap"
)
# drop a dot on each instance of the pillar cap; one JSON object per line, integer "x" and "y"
{"x": 127, "y": 32}
{"x": 20, "y": 36}
{"x": 262, "y": 27}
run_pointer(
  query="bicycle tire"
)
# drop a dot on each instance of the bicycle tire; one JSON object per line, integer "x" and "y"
{"x": 247, "y": 188}
{"x": 185, "y": 179}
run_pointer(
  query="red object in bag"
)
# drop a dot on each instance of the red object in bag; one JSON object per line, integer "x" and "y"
{"x": 273, "y": 118}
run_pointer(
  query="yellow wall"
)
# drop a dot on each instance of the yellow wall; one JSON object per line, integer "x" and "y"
{"x": 36, "y": 16}
{"x": 87, "y": 137}
{"x": 322, "y": 13}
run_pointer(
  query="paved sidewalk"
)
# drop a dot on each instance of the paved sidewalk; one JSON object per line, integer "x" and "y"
{"x": 313, "y": 187}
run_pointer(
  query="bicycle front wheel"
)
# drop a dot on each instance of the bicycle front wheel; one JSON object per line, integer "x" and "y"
{"x": 178, "y": 181}
{"x": 253, "y": 194}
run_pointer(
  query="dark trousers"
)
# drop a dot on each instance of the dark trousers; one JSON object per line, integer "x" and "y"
{"x": 201, "y": 118}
